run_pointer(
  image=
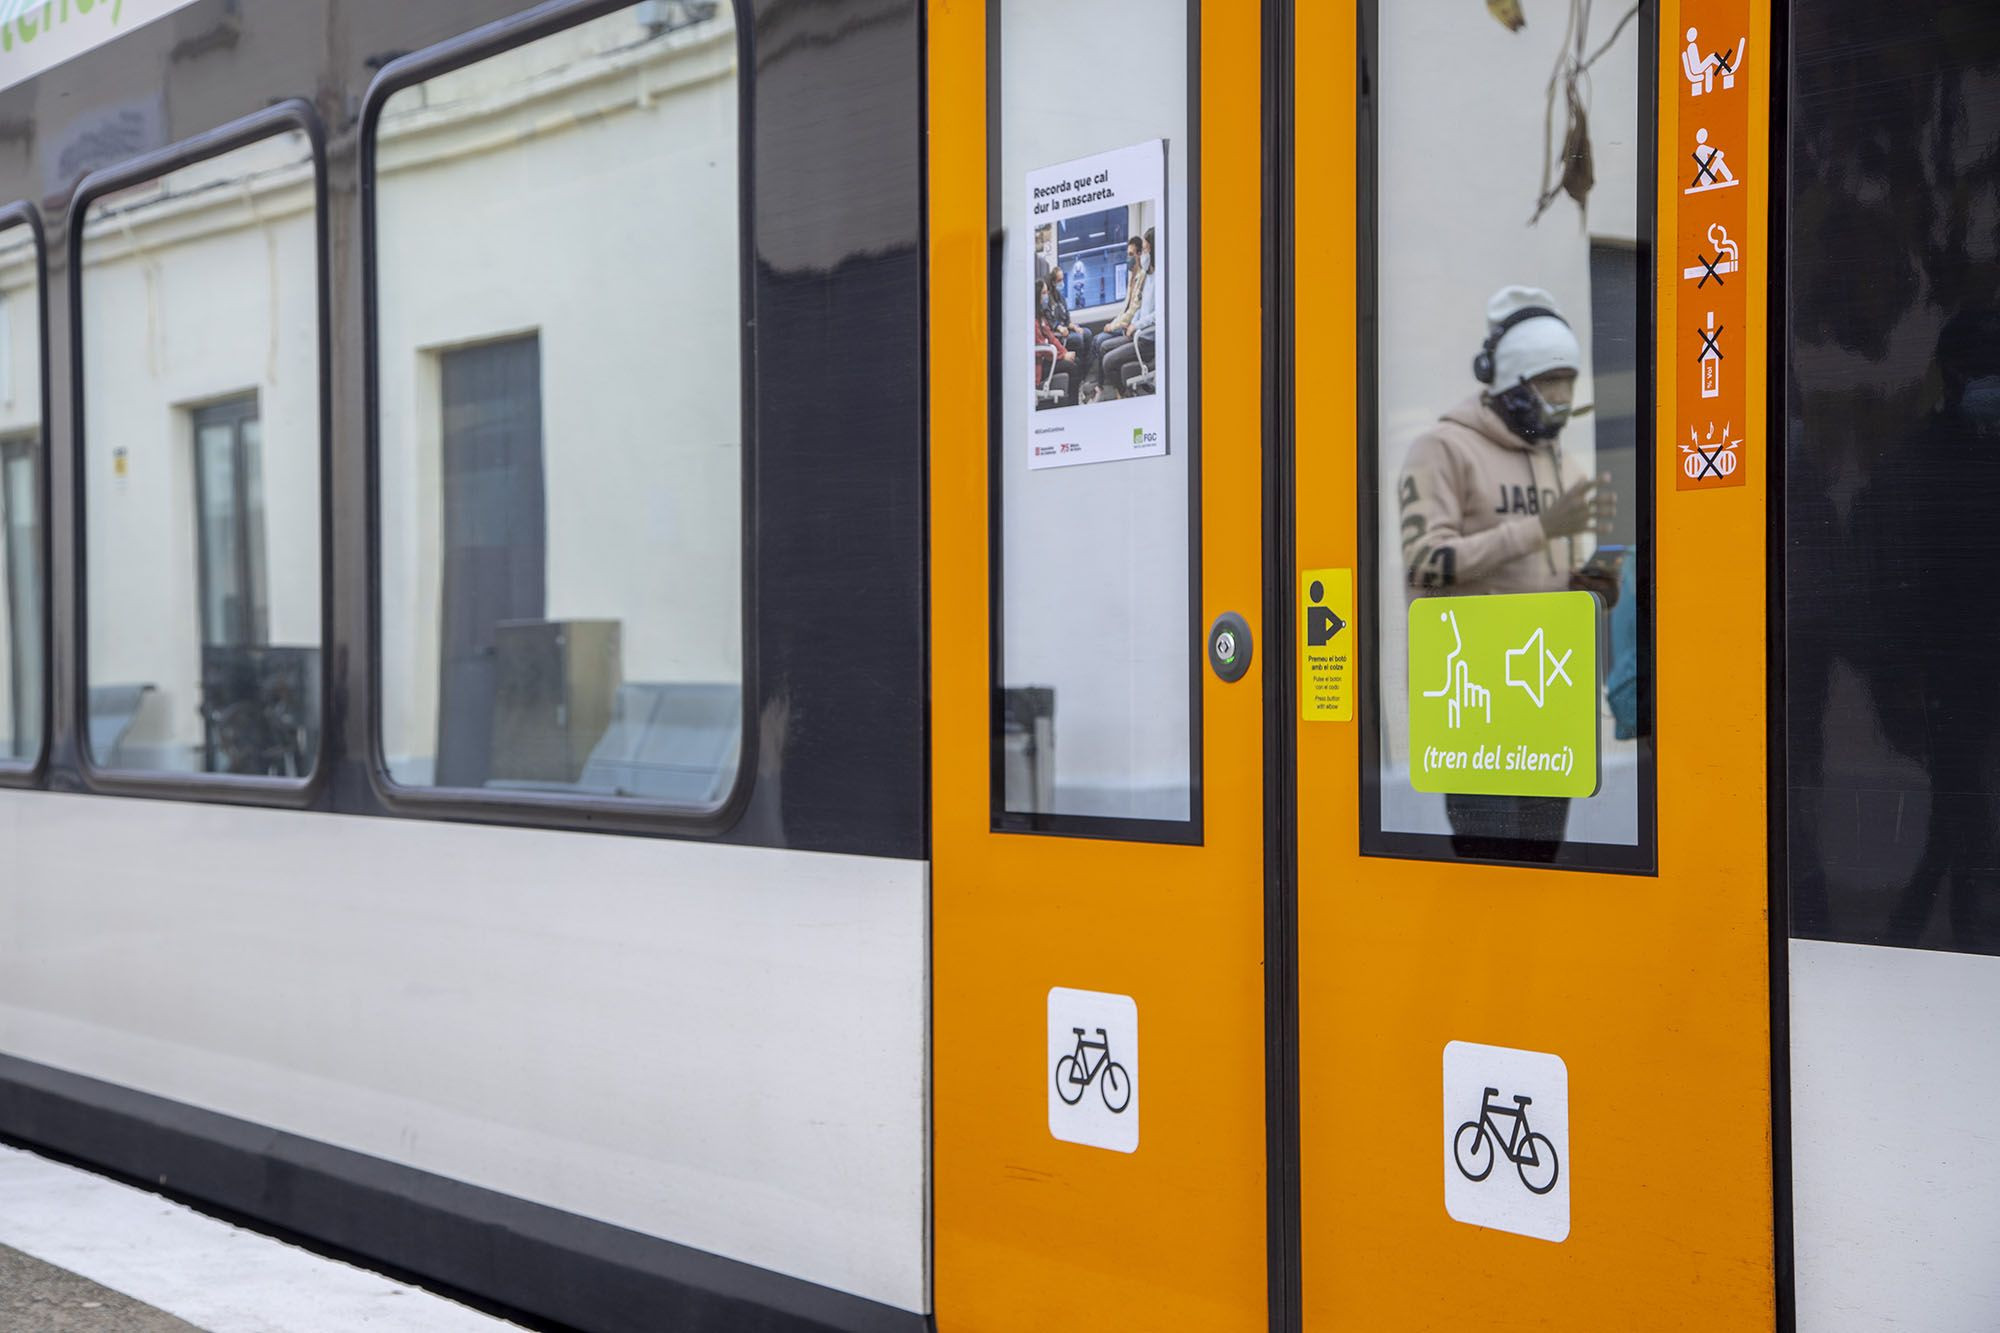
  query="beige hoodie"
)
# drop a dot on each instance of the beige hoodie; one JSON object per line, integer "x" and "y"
{"x": 1469, "y": 501}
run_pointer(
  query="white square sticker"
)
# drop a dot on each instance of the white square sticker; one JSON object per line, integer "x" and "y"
{"x": 1506, "y": 1139}
{"x": 1092, "y": 1071}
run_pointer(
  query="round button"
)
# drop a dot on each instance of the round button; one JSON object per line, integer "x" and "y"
{"x": 1229, "y": 646}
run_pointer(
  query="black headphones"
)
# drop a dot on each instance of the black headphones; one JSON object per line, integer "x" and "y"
{"x": 1482, "y": 365}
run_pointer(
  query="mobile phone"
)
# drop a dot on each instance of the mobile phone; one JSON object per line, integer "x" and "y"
{"x": 1608, "y": 559}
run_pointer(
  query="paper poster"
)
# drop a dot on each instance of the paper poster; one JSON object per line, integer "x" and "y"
{"x": 1096, "y": 273}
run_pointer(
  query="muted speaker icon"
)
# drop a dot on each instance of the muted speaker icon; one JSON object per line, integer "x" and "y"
{"x": 1541, "y": 669}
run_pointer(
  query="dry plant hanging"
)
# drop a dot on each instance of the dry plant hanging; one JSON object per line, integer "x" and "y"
{"x": 1572, "y": 74}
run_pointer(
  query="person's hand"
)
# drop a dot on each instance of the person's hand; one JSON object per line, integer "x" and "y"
{"x": 1588, "y": 505}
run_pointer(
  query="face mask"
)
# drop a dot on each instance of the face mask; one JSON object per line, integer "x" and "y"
{"x": 1528, "y": 414}
{"x": 1149, "y": 263}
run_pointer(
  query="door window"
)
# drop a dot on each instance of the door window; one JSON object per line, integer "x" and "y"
{"x": 1096, "y": 643}
{"x": 1507, "y": 439}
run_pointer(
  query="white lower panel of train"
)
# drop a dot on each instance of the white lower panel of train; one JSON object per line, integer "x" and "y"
{"x": 723, "y": 1047}
{"x": 1895, "y": 1139}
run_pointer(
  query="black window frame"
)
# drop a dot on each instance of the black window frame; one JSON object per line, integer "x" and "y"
{"x": 557, "y": 810}
{"x": 1642, "y": 856}
{"x": 293, "y": 115}
{"x": 33, "y": 772}
{"x": 1191, "y": 831}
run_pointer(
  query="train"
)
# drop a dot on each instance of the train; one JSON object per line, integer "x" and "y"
{"x": 902, "y": 664}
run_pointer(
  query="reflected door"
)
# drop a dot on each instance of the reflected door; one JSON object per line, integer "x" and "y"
{"x": 495, "y": 536}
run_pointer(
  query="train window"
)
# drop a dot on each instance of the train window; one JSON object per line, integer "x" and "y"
{"x": 1506, "y": 410}
{"x": 1892, "y": 475}
{"x": 1096, "y": 643}
{"x": 201, "y": 403}
{"x": 560, "y": 450}
{"x": 23, "y": 609}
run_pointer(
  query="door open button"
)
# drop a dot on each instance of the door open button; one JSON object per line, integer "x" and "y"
{"x": 1229, "y": 647}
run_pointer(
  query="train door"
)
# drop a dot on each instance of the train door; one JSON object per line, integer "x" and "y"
{"x": 1098, "y": 664}
{"x": 1528, "y": 249}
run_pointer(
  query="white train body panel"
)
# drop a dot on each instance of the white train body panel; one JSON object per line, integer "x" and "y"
{"x": 1895, "y": 1140}
{"x": 720, "y": 1046}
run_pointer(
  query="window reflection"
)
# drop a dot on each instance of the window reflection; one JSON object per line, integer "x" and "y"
{"x": 201, "y": 466}
{"x": 1892, "y": 475}
{"x": 561, "y": 423}
{"x": 1509, "y": 360}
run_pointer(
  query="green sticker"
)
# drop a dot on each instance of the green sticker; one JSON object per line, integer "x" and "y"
{"x": 1503, "y": 694}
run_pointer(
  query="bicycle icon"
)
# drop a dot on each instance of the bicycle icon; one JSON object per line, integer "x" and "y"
{"x": 1531, "y": 1153}
{"x": 1076, "y": 1071}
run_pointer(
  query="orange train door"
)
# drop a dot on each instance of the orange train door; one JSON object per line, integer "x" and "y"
{"x": 1534, "y": 1007}
{"x": 1098, "y": 650}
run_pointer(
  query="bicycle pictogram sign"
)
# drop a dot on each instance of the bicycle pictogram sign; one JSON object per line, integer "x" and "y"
{"x": 1532, "y": 1154}
{"x": 1076, "y": 1071}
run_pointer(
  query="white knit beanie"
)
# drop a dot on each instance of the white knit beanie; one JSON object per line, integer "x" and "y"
{"x": 1534, "y": 346}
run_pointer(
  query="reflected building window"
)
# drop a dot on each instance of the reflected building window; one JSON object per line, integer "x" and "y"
{"x": 229, "y": 502}
{"x": 21, "y": 555}
{"x": 199, "y": 321}
{"x": 23, "y": 605}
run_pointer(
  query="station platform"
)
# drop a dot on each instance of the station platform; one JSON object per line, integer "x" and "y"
{"x": 80, "y": 1253}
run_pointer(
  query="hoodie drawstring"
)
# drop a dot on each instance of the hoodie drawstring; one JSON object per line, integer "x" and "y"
{"x": 1535, "y": 489}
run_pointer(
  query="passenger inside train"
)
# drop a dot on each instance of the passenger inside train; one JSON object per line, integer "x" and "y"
{"x": 1095, "y": 344}
{"x": 1470, "y": 526}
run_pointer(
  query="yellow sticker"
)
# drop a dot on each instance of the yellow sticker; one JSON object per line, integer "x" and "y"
{"x": 1326, "y": 645}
